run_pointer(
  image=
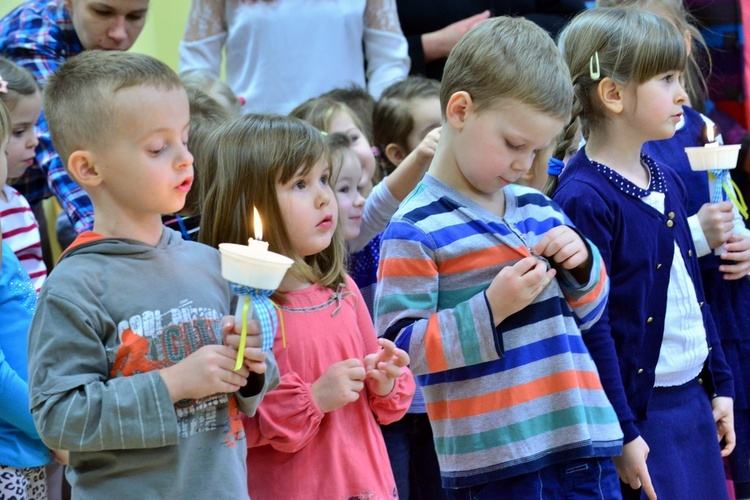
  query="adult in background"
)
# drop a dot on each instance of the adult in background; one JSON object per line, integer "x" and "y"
{"x": 280, "y": 53}
{"x": 432, "y": 27}
{"x": 40, "y": 35}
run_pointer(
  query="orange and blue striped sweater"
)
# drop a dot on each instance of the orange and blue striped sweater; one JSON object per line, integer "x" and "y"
{"x": 505, "y": 400}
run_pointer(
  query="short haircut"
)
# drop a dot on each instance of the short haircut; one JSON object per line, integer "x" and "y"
{"x": 20, "y": 82}
{"x": 206, "y": 115}
{"x": 78, "y": 98}
{"x": 508, "y": 58}
{"x": 392, "y": 118}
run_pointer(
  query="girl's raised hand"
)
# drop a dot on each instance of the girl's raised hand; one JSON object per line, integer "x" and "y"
{"x": 716, "y": 220}
{"x": 339, "y": 385}
{"x": 384, "y": 367}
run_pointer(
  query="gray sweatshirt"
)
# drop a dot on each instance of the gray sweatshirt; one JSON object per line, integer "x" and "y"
{"x": 111, "y": 314}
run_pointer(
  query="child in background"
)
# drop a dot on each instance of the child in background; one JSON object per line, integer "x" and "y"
{"x": 126, "y": 364}
{"x": 712, "y": 225}
{"x": 656, "y": 345}
{"x": 215, "y": 88}
{"x": 346, "y": 174}
{"x": 317, "y": 434}
{"x": 20, "y": 93}
{"x": 22, "y": 454}
{"x": 405, "y": 114}
{"x": 361, "y": 102}
{"x": 382, "y": 200}
{"x": 489, "y": 288}
{"x": 206, "y": 115}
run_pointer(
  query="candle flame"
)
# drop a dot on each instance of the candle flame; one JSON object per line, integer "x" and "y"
{"x": 257, "y": 224}
{"x": 710, "y": 133}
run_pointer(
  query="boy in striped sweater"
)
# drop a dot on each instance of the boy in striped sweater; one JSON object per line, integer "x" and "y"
{"x": 490, "y": 289}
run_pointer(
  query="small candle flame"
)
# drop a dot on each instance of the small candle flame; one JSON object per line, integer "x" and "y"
{"x": 257, "y": 224}
{"x": 710, "y": 134}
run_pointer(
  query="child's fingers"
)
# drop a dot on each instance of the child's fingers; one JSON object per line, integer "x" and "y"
{"x": 254, "y": 354}
{"x": 391, "y": 370}
{"x": 256, "y": 366}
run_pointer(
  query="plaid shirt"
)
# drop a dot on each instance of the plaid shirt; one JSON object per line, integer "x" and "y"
{"x": 39, "y": 36}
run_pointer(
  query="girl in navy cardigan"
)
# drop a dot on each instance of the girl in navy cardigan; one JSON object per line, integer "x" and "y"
{"x": 656, "y": 346}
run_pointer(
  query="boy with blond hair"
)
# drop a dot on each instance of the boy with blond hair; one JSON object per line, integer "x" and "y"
{"x": 131, "y": 353}
{"x": 488, "y": 286}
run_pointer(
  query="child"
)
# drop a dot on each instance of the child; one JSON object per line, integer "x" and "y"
{"x": 406, "y": 112}
{"x": 656, "y": 345}
{"x": 346, "y": 174}
{"x": 22, "y": 455}
{"x": 20, "y": 93}
{"x": 206, "y": 115}
{"x": 215, "y": 89}
{"x": 382, "y": 199}
{"x": 360, "y": 101}
{"x": 513, "y": 397}
{"x": 726, "y": 292}
{"x": 126, "y": 366}
{"x": 317, "y": 434}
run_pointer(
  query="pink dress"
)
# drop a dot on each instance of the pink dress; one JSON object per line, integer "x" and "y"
{"x": 297, "y": 451}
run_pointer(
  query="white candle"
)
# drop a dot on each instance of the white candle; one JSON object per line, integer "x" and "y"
{"x": 257, "y": 245}
{"x": 710, "y": 136}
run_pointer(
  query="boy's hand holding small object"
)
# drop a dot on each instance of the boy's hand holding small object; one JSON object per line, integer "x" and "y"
{"x": 516, "y": 286}
{"x": 564, "y": 246}
{"x": 254, "y": 356}
{"x": 384, "y": 367}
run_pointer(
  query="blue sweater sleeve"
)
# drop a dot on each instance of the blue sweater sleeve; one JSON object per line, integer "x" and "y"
{"x": 593, "y": 218}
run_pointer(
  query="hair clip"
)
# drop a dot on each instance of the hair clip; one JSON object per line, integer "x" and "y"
{"x": 555, "y": 166}
{"x": 323, "y": 133}
{"x": 375, "y": 151}
{"x": 3, "y": 85}
{"x": 595, "y": 73}
{"x": 242, "y": 101}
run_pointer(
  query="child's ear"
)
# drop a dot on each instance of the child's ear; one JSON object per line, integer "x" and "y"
{"x": 459, "y": 106}
{"x": 610, "y": 93}
{"x": 83, "y": 169}
{"x": 394, "y": 154}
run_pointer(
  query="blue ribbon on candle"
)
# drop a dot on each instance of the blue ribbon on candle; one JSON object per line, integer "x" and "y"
{"x": 722, "y": 178}
{"x": 265, "y": 312}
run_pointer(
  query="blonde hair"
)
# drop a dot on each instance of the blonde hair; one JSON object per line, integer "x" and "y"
{"x": 392, "y": 119}
{"x": 320, "y": 111}
{"x": 360, "y": 101}
{"x": 20, "y": 83}
{"x": 508, "y": 58}
{"x": 206, "y": 115}
{"x": 699, "y": 59}
{"x": 250, "y": 156}
{"x": 215, "y": 88}
{"x": 339, "y": 147}
{"x": 631, "y": 46}
{"x": 77, "y": 98}
{"x": 5, "y": 125}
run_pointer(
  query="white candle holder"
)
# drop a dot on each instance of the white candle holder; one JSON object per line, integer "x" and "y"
{"x": 716, "y": 161}
{"x": 255, "y": 273}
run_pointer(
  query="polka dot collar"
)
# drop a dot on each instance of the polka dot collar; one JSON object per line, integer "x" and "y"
{"x": 657, "y": 183}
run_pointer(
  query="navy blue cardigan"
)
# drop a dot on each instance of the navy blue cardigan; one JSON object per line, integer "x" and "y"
{"x": 637, "y": 245}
